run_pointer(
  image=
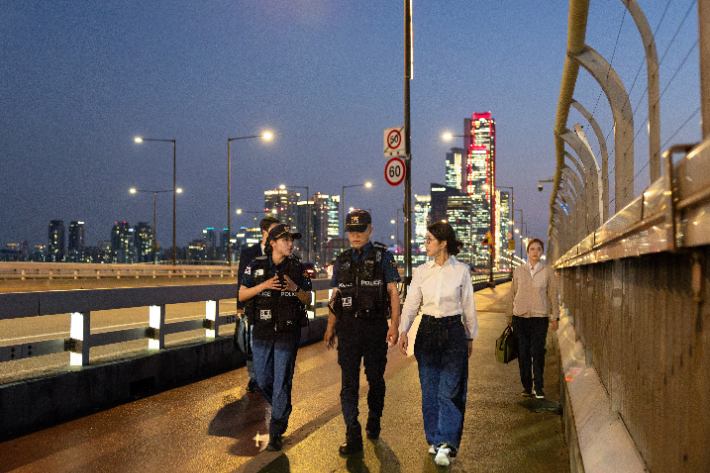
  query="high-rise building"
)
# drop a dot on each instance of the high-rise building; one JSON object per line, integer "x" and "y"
{"x": 122, "y": 243}
{"x": 422, "y": 219}
{"x": 480, "y": 176}
{"x": 456, "y": 168}
{"x": 196, "y": 250}
{"x": 143, "y": 237}
{"x": 439, "y": 195}
{"x": 325, "y": 226}
{"x": 55, "y": 244}
{"x": 459, "y": 212}
{"x": 281, "y": 204}
{"x": 503, "y": 218}
{"x": 225, "y": 245}
{"x": 209, "y": 238}
{"x": 77, "y": 237}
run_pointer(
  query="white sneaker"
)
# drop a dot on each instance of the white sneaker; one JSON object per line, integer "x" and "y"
{"x": 442, "y": 456}
{"x": 432, "y": 450}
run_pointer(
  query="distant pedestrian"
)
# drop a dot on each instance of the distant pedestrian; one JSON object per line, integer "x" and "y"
{"x": 247, "y": 256}
{"x": 365, "y": 292}
{"x": 533, "y": 297}
{"x": 444, "y": 339}
{"x": 276, "y": 288}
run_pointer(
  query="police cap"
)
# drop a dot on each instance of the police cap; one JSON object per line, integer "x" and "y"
{"x": 282, "y": 231}
{"x": 357, "y": 221}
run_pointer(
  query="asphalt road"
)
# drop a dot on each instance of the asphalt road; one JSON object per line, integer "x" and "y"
{"x": 213, "y": 425}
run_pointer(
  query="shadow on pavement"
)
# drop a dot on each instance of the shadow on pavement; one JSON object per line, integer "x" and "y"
{"x": 280, "y": 465}
{"x": 540, "y": 406}
{"x": 243, "y": 420}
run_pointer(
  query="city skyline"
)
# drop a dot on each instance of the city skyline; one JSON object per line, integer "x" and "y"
{"x": 80, "y": 81}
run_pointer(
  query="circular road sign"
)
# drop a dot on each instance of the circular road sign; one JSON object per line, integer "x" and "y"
{"x": 394, "y": 171}
{"x": 394, "y": 139}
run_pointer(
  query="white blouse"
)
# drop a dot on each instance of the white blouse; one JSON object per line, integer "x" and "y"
{"x": 445, "y": 290}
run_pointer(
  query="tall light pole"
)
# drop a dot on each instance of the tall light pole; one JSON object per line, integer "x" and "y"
{"x": 408, "y": 74}
{"x": 139, "y": 139}
{"x": 155, "y": 217}
{"x": 266, "y": 136}
{"x": 308, "y": 217}
{"x": 342, "y": 205}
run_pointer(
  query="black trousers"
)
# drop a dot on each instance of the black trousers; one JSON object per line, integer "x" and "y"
{"x": 531, "y": 334}
{"x": 362, "y": 341}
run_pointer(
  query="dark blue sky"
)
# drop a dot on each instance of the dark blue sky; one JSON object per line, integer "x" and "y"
{"x": 80, "y": 79}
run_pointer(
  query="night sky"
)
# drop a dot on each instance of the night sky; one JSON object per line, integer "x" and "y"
{"x": 80, "y": 79}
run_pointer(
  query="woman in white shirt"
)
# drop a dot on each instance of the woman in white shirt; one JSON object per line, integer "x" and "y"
{"x": 444, "y": 339}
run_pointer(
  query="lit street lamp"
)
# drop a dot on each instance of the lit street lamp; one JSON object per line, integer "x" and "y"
{"x": 342, "y": 204}
{"x": 139, "y": 139}
{"x": 266, "y": 136}
{"x": 155, "y": 217}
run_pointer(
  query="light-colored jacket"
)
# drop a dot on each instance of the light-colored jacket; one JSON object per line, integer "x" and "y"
{"x": 533, "y": 295}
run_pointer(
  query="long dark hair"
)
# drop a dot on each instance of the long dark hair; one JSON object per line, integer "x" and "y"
{"x": 442, "y": 231}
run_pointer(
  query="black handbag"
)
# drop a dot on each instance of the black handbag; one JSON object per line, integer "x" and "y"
{"x": 506, "y": 346}
{"x": 242, "y": 337}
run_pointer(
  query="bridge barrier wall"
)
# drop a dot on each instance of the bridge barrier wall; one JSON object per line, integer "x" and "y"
{"x": 642, "y": 325}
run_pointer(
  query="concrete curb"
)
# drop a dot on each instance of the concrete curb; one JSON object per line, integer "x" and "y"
{"x": 597, "y": 437}
{"x": 31, "y": 405}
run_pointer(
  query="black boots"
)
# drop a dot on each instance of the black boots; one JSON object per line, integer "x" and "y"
{"x": 275, "y": 443}
{"x": 353, "y": 439}
{"x": 373, "y": 428}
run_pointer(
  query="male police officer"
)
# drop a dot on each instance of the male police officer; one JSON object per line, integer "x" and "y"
{"x": 365, "y": 278}
{"x": 276, "y": 288}
{"x": 247, "y": 256}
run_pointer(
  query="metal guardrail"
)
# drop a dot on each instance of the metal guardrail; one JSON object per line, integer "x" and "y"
{"x": 28, "y": 271}
{"x": 81, "y": 303}
{"x": 672, "y": 213}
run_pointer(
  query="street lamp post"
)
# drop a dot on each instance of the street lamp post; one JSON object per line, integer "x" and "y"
{"x": 155, "y": 217}
{"x": 139, "y": 139}
{"x": 308, "y": 217}
{"x": 342, "y": 205}
{"x": 266, "y": 136}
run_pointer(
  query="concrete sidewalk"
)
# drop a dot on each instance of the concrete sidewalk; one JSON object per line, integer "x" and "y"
{"x": 500, "y": 434}
{"x": 214, "y": 426}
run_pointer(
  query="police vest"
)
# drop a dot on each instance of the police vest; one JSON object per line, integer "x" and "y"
{"x": 281, "y": 310}
{"x": 362, "y": 285}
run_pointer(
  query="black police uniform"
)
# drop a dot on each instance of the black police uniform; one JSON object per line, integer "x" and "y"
{"x": 362, "y": 310}
{"x": 276, "y": 318}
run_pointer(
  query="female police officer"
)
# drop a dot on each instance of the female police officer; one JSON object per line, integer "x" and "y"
{"x": 275, "y": 288}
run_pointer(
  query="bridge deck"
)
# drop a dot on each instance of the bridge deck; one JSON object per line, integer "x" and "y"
{"x": 211, "y": 425}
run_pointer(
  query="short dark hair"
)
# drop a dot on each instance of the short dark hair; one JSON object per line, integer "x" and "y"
{"x": 535, "y": 240}
{"x": 266, "y": 222}
{"x": 442, "y": 231}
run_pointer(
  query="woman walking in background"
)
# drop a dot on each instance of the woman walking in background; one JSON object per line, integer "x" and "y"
{"x": 533, "y": 296}
{"x": 444, "y": 340}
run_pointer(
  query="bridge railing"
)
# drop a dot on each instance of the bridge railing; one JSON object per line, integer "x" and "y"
{"x": 82, "y": 303}
{"x": 22, "y": 271}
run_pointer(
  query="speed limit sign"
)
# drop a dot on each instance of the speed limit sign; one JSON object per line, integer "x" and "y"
{"x": 394, "y": 171}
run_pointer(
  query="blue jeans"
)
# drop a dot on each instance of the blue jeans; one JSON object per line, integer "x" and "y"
{"x": 442, "y": 354}
{"x": 274, "y": 363}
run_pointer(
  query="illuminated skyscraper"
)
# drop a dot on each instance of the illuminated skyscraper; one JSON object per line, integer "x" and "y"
{"x": 503, "y": 218}
{"x": 422, "y": 218}
{"x": 76, "y": 242}
{"x": 480, "y": 178}
{"x": 143, "y": 237}
{"x": 282, "y": 204}
{"x": 121, "y": 243}
{"x": 325, "y": 226}
{"x": 455, "y": 168}
{"x": 55, "y": 244}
